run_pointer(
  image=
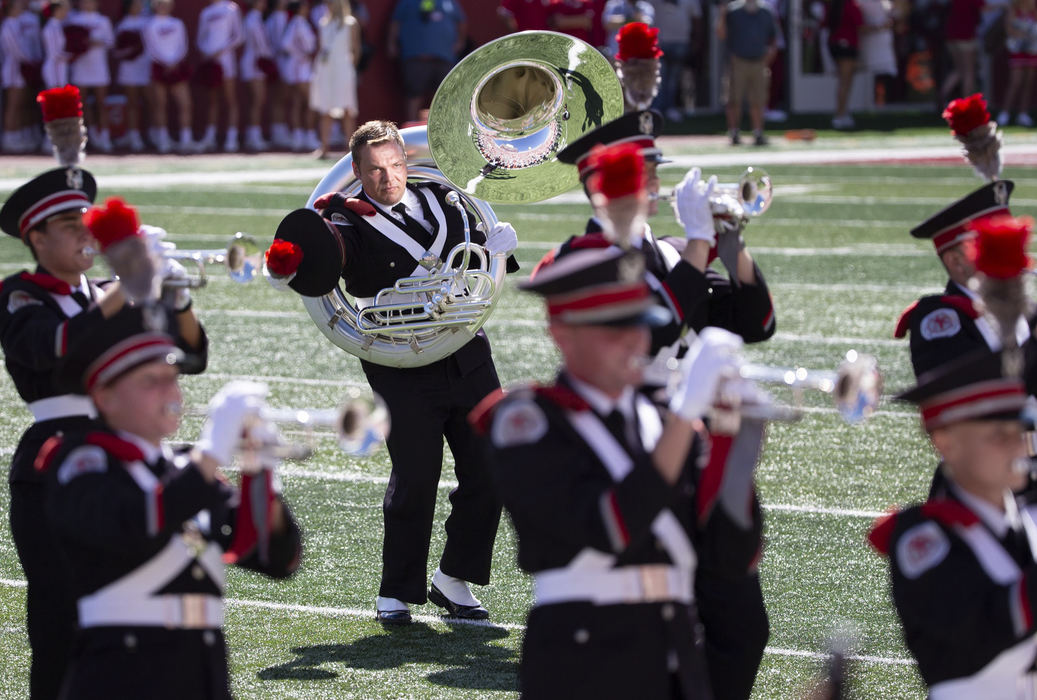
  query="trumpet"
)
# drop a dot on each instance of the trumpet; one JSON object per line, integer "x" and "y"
{"x": 242, "y": 257}
{"x": 361, "y": 424}
{"x": 855, "y": 386}
{"x": 734, "y": 203}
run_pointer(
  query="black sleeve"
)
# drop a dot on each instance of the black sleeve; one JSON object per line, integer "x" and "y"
{"x": 35, "y": 335}
{"x": 745, "y": 309}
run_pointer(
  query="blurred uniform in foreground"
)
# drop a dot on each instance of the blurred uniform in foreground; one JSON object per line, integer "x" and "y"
{"x": 148, "y": 532}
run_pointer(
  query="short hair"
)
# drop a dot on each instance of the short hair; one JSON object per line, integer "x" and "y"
{"x": 374, "y": 133}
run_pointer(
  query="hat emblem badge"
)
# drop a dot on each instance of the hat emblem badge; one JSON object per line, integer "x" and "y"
{"x": 1001, "y": 192}
{"x": 645, "y": 122}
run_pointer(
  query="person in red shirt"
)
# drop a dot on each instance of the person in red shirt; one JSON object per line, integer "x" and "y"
{"x": 523, "y": 15}
{"x": 844, "y": 22}
{"x": 572, "y": 17}
{"x": 960, "y": 36}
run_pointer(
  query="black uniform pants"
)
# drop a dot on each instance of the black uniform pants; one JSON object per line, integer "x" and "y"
{"x": 425, "y": 405}
{"x": 50, "y": 609}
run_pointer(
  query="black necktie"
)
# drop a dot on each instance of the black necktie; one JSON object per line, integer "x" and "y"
{"x": 412, "y": 226}
{"x": 1016, "y": 543}
{"x": 80, "y": 298}
{"x": 159, "y": 466}
{"x": 616, "y": 423}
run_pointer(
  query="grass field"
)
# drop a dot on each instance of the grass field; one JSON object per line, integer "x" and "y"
{"x": 835, "y": 250}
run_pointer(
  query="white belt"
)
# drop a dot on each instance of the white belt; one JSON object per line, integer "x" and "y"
{"x": 186, "y": 611}
{"x": 648, "y": 583}
{"x": 1007, "y": 677}
{"x": 63, "y": 406}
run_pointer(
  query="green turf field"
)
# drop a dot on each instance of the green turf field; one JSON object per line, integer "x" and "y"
{"x": 835, "y": 250}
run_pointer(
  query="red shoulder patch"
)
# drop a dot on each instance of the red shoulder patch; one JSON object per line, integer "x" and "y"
{"x": 949, "y": 513}
{"x": 589, "y": 240}
{"x": 962, "y": 304}
{"x": 562, "y": 396}
{"x": 46, "y": 454}
{"x": 481, "y": 416}
{"x": 905, "y": 321}
{"x": 51, "y": 284}
{"x": 882, "y": 532}
{"x": 115, "y": 446}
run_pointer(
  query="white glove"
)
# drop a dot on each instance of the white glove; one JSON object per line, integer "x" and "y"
{"x": 228, "y": 412}
{"x": 153, "y": 236}
{"x": 178, "y": 297}
{"x": 262, "y": 434}
{"x": 691, "y": 205}
{"x": 714, "y": 356}
{"x": 502, "y": 239}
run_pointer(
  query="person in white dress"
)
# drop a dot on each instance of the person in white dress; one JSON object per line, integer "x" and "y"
{"x": 15, "y": 52}
{"x": 256, "y": 59}
{"x": 333, "y": 84}
{"x": 276, "y": 22}
{"x": 55, "y": 57}
{"x": 89, "y": 72}
{"x": 134, "y": 72}
{"x": 219, "y": 36}
{"x": 299, "y": 44}
{"x": 165, "y": 42}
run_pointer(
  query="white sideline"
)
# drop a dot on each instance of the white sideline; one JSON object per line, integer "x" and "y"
{"x": 510, "y": 626}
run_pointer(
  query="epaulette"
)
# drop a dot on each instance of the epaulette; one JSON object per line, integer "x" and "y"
{"x": 480, "y": 417}
{"x": 960, "y": 303}
{"x": 881, "y": 532}
{"x": 115, "y": 446}
{"x": 562, "y": 396}
{"x": 945, "y": 512}
{"x": 45, "y": 457}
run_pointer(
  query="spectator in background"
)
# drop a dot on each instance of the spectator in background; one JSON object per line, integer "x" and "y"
{"x": 16, "y": 56}
{"x": 257, "y": 66}
{"x": 219, "y": 36}
{"x": 275, "y": 23}
{"x": 89, "y": 72}
{"x": 776, "y": 89}
{"x": 299, "y": 44}
{"x": 749, "y": 31}
{"x": 961, "y": 40}
{"x": 876, "y": 44}
{"x": 619, "y": 12}
{"x": 333, "y": 89}
{"x": 165, "y": 43}
{"x": 677, "y": 21}
{"x": 55, "y": 57}
{"x": 575, "y": 18}
{"x": 844, "y": 22}
{"x": 427, "y": 37}
{"x": 134, "y": 69}
{"x": 524, "y": 15}
{"x": 1021, "y": 42}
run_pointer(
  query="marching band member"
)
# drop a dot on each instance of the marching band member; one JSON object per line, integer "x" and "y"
{"x": 165, "y": 42}
{"x": 90, "y": 72}
{"x": 299, "y": 44}
{"x": 134, "y": 71}
{"x": 619, "y": 509}
{"x": 219, "y": 35}
{"x": 962, "y": 565}
{"x": 257, "y": 61}
{"x": 147, "y": 532}
{"x": 383, "y": 233}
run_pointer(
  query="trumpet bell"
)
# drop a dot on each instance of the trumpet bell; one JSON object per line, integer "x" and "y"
{"x": 243, "y": 258}
{"x": 858, "y": 387}
{"x": 528, "y": 95}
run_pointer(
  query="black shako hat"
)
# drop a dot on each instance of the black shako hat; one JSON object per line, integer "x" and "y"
{"x": 323, "y": 251}
{"x": 44, "y": 196}
{"x": 640, "y": 128}
{"x": 972, "y": 387}
{"x": 598, "y": 287}
{"x": 950, "y": 226}
{"x": 132, "y": 337}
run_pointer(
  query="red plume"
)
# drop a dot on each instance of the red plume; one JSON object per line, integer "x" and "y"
{"x": 1000, "y": 247}
{"x": 283, "y": 258}
{"x": 112, "y": 223}
{"x": 60, "y": 103}
{"x": 637, "y": 40}
{"x": 616, "y": 171}
{"x": 966, "y": 114}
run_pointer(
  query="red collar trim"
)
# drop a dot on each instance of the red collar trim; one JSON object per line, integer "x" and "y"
{"x": 562, "y": 396}
{"x": 115, "y": 446}
{"x": 47, "y": 282}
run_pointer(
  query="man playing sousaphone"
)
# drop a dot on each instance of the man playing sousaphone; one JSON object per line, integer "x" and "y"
{"x": 372, "y": 241}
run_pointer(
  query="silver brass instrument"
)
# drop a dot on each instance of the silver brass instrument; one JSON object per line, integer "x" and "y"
{"x": 855, "y": 386}
{"x": 242, "y": 257}
{"x": 734, "y": 203}
{"x": 528, "y": 95}
{"x": 361, "y": 424}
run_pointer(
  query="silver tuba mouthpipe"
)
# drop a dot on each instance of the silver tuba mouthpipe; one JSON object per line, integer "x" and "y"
{"x": 242, "y": 257}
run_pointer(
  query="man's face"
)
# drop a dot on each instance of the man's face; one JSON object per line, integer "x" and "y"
{"x": 146, "y": 401}
{"x": 609, "y": 358}
{"x": 958, "y": 263}
{"x": 382, "y": 169}
{"x": 60, "y": 244}
{"x": 980, "y": 455}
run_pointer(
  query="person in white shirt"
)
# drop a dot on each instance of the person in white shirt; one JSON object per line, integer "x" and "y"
{"x": 300, "y": 44}
{"x": 165, "y": 42}
{"x": 275, "y": 23}
{"x": 333, "y": 90}
{"x": 90, "y": 71}
{"x": 15, "y": 52}
{"x": 256, "y": 59}
{"x": 55, "y": 57}
{"x": 134, "y": 72}
{"x": 219, "y": 36}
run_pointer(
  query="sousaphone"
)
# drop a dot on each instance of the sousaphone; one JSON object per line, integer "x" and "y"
{"x": 494, "y": 129}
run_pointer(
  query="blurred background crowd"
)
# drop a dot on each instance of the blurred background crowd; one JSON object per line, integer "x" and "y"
{"x": 209, "y": 75}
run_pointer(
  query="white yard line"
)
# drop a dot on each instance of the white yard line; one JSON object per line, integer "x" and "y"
{"x": 360, "y": 613}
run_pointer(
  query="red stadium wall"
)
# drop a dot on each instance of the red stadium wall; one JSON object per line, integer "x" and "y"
{"x": 379, "y": 96}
